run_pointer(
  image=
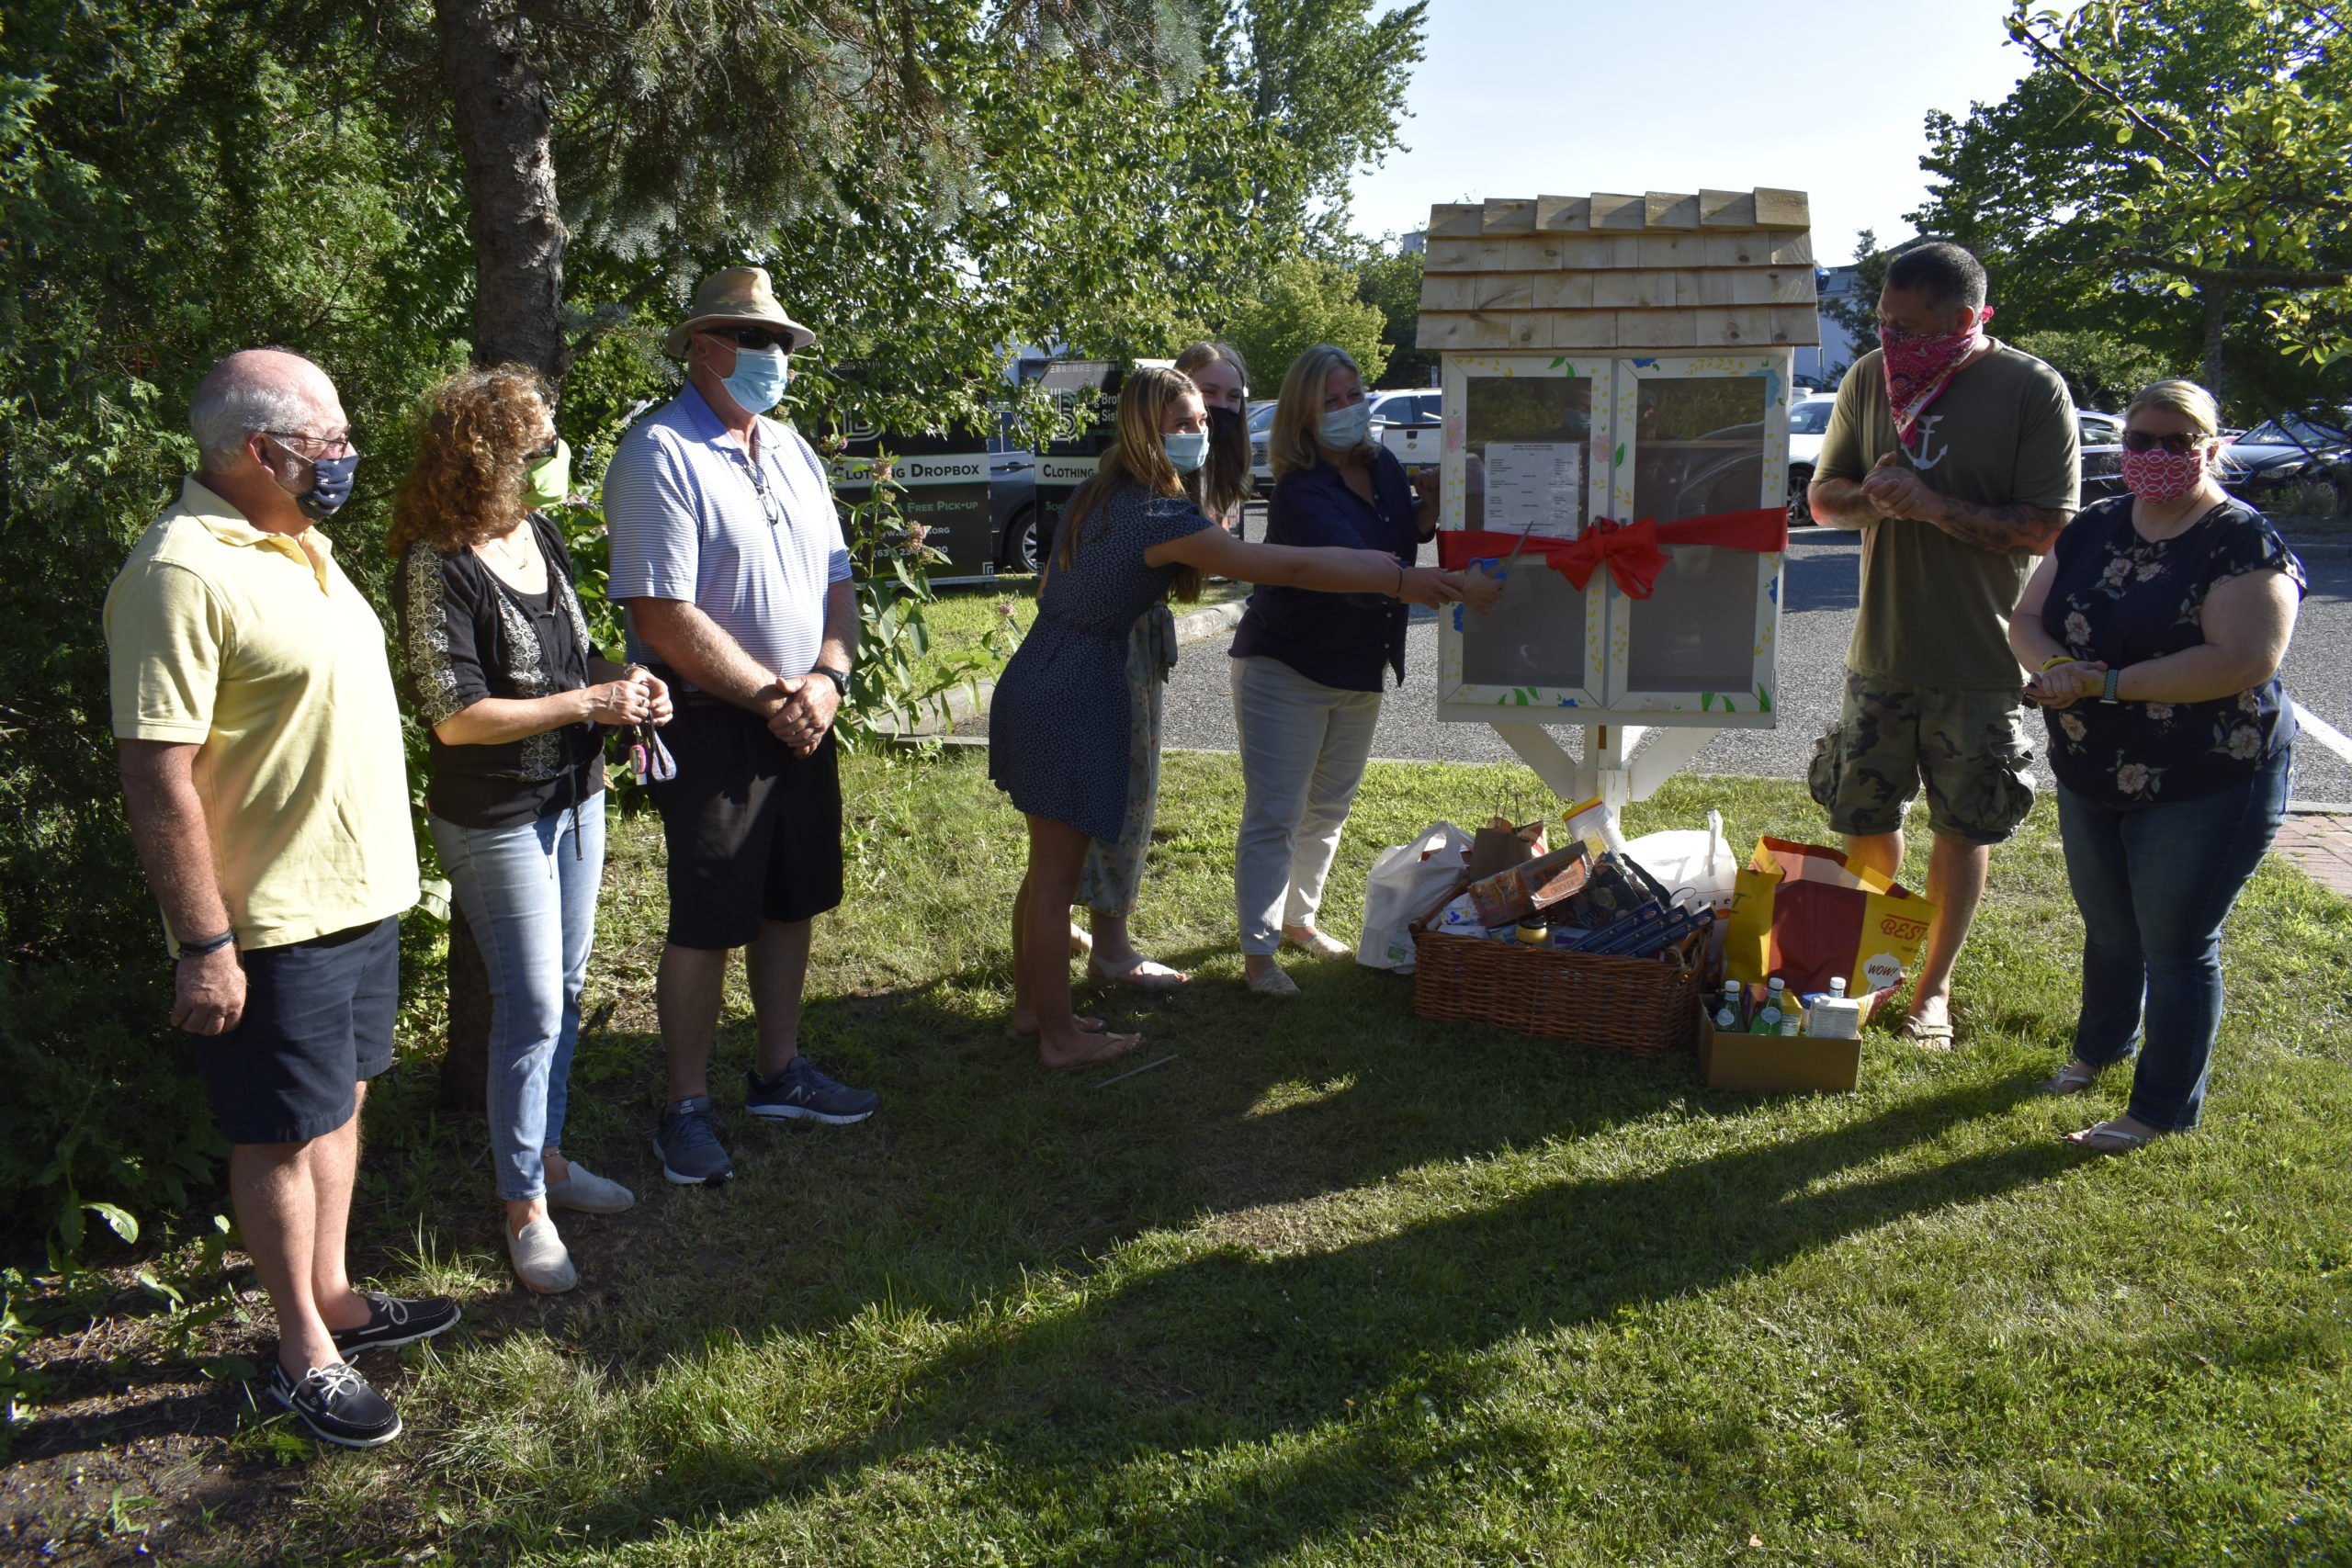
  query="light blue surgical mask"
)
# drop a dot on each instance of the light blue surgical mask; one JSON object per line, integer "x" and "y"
{"x": 759, "y": 376}
{"x": 1187, "y": 449}
{"x": 1344, "y": 430}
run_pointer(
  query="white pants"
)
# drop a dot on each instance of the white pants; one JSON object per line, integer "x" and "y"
{"x": 1303, "y": 746}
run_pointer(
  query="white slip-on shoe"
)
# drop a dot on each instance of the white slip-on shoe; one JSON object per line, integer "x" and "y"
{"x": 540, "y": 1260}
{"x": 586, "y": 1192}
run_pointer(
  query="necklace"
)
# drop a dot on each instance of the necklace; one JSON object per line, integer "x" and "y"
{"x": 512, "y": 550}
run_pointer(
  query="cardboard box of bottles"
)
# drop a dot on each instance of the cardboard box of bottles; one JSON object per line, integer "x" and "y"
{"x": 1778, "y": 1063}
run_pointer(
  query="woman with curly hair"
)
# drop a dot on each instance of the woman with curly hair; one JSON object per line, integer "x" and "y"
{"x": 1063, "y": 725}
{"x": 511, "y": 692}
{"x": 2155, "y": 629}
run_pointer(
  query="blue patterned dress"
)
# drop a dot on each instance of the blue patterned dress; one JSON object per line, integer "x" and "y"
{"x": 1061, "y": 724}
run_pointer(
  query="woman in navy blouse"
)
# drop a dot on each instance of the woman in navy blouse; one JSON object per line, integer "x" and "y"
{"x": 1309, "y": 667}
{"x": 2155, "y": 629}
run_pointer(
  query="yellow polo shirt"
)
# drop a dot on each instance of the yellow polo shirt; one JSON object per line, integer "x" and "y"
{"x": 263, "y": 654}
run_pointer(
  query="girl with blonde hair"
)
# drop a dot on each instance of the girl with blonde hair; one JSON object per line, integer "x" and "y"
{"x": 1062, "y": 725}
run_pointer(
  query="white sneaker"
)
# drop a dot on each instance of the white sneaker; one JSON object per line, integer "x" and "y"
{"x": 540, "y": 1260}
{"x": 586, "y": 1192}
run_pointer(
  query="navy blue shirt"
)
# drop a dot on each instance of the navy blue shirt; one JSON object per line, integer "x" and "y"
{"x": 1340, "y": 640}
{"x": 2123, "y": 600}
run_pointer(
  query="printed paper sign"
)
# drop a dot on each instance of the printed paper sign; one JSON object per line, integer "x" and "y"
{"x": 1537, "y": 483}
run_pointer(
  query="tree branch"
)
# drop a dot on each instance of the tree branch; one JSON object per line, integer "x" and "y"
{"x": 2237, "y": 277}
{"x": 2084, "y": 79}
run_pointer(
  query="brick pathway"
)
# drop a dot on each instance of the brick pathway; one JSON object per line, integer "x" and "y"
{"x": 2320, "y": 846}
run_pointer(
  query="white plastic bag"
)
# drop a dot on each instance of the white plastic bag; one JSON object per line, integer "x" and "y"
{"x": 1402, "y": 888}
{"x": 1689, "y": 858}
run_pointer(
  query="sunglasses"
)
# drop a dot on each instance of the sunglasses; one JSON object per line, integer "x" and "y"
{"x": 2180, "y": 443}
{"x": 752, "y": 337}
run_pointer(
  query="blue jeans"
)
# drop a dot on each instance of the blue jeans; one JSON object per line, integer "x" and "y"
{"x": 2155, "y": 884}
{"x": 529, "y": 892}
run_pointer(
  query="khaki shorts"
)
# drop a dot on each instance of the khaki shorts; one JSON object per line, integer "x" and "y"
{"x": 1968, "y": 747}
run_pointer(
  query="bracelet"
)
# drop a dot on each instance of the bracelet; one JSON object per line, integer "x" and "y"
{"x": 1399, "y": 592}
{"x": 212, "y": 945}
{"x": 2049, "y": 664}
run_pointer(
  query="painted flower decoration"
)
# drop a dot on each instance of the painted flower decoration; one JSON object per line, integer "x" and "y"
{"x": 2132, "y": 778}
{"x": 2078, "y": 630}
{"x": 2075, "y": 728}
{"x": 2246, "y": 742}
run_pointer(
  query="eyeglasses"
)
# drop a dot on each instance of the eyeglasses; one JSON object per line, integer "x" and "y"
{"x": 751, "y": 337}
{"x": 2180, "y": 443}
{"x": 309, "y": 446}
{"x": 533, "y": 459}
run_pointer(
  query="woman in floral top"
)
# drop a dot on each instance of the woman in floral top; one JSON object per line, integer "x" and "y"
{"x": 2156, "y": 628}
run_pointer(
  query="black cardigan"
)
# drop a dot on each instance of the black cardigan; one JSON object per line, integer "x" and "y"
{"x": 469, "y": 635}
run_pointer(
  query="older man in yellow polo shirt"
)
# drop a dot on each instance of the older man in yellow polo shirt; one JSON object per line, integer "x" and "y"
{"x": 262, "y": 766}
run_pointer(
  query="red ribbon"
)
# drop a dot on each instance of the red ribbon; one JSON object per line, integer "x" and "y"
{"x": 1630, "y": 549}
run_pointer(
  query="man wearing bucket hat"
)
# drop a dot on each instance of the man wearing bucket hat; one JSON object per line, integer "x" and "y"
{"x": 728, "y": 554}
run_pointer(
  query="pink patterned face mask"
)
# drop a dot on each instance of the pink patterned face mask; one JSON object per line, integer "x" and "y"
{"x": 2157, "y": 476}
{"x": 1919, "y": 364}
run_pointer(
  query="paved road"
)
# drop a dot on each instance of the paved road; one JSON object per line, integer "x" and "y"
{"x": 1819, "y": 616}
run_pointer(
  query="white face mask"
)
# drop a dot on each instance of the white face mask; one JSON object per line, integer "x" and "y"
{"x": 1344, "y": 430}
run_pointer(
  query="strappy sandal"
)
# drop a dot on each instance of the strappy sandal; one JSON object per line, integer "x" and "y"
{"x": 1934, "y": 1036}
{"x": 2073, "y": 1078}
{"x": 2119, "y": 1140}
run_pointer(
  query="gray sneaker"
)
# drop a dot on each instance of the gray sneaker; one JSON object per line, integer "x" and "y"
{"x": 688, "y": 1142}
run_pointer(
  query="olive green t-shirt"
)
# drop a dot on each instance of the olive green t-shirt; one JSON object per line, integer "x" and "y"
{"x": 1935, "y": 612}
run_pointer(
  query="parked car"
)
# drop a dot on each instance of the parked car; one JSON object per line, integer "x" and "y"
{"x": 2102, "y": 435}
{"x": 1416, "y": 406}
{"x": 2288, "y": 451}
{"x": 1808, "y": 418}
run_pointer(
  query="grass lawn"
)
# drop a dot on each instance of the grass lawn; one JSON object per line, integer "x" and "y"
{"x": 1338, "y": 1286}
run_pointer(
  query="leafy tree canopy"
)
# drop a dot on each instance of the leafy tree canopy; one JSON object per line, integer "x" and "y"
{"x": 1307, "y": 300}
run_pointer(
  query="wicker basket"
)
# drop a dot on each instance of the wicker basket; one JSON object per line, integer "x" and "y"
{"x": 1645, "y": 1006}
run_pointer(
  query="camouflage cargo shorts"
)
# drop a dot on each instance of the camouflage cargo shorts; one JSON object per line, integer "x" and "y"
{"x": 1968, "y": 747}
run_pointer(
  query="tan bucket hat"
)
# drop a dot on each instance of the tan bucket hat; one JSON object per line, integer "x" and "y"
{"x": 736, "y": 294}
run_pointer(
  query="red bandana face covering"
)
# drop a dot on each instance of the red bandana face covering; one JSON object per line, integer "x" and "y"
{"x": 1919, "y": 364}
{"x": 2157, "y": 476}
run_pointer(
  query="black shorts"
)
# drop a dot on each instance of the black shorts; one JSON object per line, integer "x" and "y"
{"x": 318, "y": 1020}
{"x": 754, "y": 833}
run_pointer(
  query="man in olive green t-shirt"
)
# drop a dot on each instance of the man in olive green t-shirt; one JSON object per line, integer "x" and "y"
{"x": 1954, "y": 510}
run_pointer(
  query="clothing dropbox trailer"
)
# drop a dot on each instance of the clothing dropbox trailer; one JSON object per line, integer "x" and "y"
{"x": 1617, "y": 374}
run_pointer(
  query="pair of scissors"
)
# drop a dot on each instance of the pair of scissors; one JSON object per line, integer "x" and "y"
{"x": 647, "y": 757}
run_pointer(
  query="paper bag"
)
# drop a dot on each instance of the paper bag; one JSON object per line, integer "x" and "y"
{"x": 1800, "y": 912}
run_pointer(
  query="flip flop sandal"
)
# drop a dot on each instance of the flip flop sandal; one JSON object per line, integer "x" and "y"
{"x": 1145, "y": 975}
{"x": 2123, "y": 1144}
{"x": 1934, "y": 1036}
{"x": 2073, "y": 1078}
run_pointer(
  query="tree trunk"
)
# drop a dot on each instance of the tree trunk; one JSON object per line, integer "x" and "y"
{"x": 500, "y": 110}
{"x": 2216, "y": 300}
{"x": 504, "y": 124}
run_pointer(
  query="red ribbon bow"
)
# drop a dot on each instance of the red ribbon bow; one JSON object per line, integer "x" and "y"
{"x": 1630, "y": 549}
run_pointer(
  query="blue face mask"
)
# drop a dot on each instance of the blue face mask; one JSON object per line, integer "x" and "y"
{"x": 759, "y": 379}
{"x": 1344, "y": 430}
{"x": 1187, "y": 449}
{"x": 330, "y": 483}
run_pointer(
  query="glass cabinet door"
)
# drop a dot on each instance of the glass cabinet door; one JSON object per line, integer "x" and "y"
{"x": 1702, "y": 437}
{"x": 1518, "y": 462}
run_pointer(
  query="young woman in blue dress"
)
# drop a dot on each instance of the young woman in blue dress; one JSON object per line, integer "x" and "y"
{"x": 1060, "y": 724}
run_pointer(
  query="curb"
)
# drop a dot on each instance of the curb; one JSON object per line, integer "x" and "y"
{"x": 965, "y": 704}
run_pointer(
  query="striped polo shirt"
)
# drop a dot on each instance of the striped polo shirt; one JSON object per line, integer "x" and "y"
{"x": 689, "y": 521}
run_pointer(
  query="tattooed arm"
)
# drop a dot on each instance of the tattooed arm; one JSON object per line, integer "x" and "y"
{"x": 2001, "y": 529}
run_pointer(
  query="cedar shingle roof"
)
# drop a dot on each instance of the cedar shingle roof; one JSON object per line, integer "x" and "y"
{"x": 1721, "y": 269}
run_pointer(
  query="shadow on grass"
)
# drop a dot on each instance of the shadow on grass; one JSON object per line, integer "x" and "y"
{"x": 1339, "y": 1354}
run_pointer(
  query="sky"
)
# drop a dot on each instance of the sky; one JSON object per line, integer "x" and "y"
{"x": 1564, "y": 97}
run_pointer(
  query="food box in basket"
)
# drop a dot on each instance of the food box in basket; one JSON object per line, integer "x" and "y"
{"x": 1778, "y": 1063}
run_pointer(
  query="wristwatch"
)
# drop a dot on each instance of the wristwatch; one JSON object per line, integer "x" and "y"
{"x": 839, "y": 678}
{"x": 2107, "y": 690}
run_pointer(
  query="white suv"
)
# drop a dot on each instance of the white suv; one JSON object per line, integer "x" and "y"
{"x": 1417, "y": 406}
{"x": 1808, "y": 419}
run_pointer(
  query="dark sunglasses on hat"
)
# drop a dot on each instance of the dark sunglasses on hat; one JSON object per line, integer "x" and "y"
{"x": 751, "y": 337}
{"x": 2178, "y": 442}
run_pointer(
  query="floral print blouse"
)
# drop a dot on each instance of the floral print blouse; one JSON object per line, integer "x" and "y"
{"x": 2122, "y": 600}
